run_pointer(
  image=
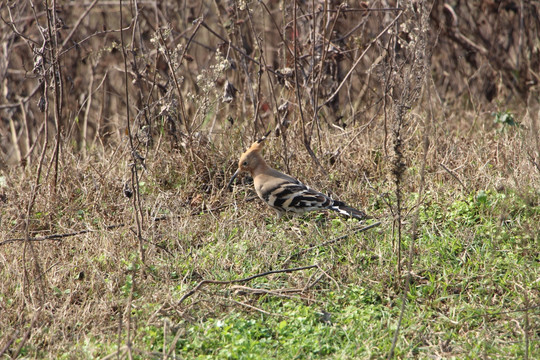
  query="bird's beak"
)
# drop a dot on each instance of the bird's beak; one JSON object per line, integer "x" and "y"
{"x": 232, "y": 178}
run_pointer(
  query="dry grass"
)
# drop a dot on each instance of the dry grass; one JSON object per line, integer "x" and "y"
{"x": 114, "y": 284}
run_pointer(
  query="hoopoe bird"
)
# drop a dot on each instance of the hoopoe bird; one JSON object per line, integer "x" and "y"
{"x": 284, "y": 193}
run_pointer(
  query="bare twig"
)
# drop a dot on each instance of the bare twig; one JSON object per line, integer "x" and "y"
{"x": 453, "y": 175}
{"x": 382, "y": 196}
{"x": 77, "y": 24}
{"x": 251, "y": 307}
{"x": 172, "y": 345}
{"x": 263, "y": 58}
{"x": 87, "y": 111}
{"x": 236, "y": 48}
{"x": 129, "y": 345}
{"x": 15, "y": 140}
{"x": 281, "y": 293}
{"x": 460, "y": 38}
{"x": 58, "y": 236}
{"x": 305, "y": 137}
{"x": 414, "y": 236}
{"x": 408, "y": 95}
{"x": 326, "y": 41}
{"x": 249, "y": 278}
{"x": 31, "y": 203}
{"x": 526, "y": 321}
{"x": 531, "y": 159}
{"x": 525, "y": 309}
{"x": 8, "y": 343}
{"x": 26, "y": 335}
{"x": 22, "y": 100}
{"x": 134, "y": 170}
{"x": 57, "y": 87}
{"x": 118, "y": 337}
{"x": 183, "y": 113}
{"x": 333, "y": 241}
{"x": 331, "y": 97}
{"x": 97, "y": 33}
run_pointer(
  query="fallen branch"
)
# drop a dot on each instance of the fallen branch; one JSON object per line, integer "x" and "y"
{"x": 227, "y": 282}
{"x": 333, "y": 241}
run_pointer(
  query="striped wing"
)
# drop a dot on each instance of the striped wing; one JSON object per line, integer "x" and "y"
{"x": 296, "y": 197}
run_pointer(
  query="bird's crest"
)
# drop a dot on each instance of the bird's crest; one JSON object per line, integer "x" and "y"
{"x": 258, "y": 145}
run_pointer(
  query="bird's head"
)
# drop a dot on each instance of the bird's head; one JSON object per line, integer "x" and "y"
{"x": 250, "y": 160}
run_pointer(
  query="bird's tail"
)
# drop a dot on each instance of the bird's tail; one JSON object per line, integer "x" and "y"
{"x": 343, "y": 209}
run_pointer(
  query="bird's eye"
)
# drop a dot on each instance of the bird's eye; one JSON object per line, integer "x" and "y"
{"x": 245, "y": 163}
